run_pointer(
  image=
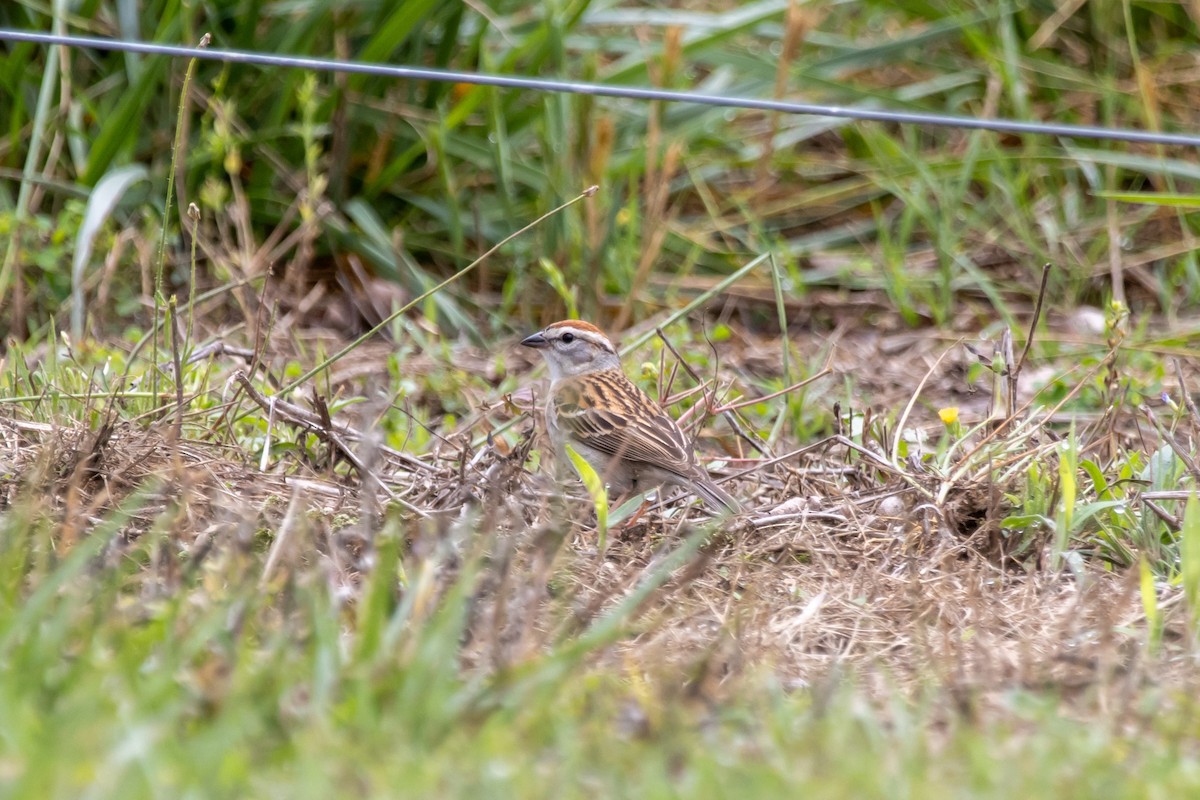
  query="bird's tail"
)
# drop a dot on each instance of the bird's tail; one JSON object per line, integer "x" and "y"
{"x": 717, "y": 498}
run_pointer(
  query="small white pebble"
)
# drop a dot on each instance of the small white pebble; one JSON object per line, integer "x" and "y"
{"x": 793, "y": 505}
{"x": 1088, "y": 319}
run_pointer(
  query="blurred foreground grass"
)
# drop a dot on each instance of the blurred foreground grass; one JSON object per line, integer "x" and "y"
{"x": 161, "y": 671}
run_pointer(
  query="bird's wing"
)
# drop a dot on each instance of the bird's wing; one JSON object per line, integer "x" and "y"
{"x": 605, "y": 411}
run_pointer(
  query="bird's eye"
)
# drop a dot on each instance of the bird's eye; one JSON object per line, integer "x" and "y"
{"x": 567, "y": 338}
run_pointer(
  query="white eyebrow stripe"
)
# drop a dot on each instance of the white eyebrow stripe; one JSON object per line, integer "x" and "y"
{"x": 597, "y": 339}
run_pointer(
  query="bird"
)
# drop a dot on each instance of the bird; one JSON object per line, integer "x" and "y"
{"x": 631, "y": 442}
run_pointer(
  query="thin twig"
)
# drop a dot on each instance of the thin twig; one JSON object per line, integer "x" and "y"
{"x": 826, "y": 370}
{"x": 708, "y": 405}
{"x": 160, "y": 262}
{"x": 913, "y": 401}
{"x": 1183, "y": 390}
{"x": 177, "y": 359}
{"x": 311, "y": 421}
{"x": 708, "y": 294}
{"x": 685, "y": 394}
{"x": 1167, "y": 437}
{"x": 1162, "y": 513}
{"x": 1037, "y": 313}
{"x": 588, "y": 192}
{"x": 1017, "y": 432}
{"x": 688, "y": 367}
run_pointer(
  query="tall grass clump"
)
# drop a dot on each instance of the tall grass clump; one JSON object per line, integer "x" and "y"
{"x": 415, "y": 179}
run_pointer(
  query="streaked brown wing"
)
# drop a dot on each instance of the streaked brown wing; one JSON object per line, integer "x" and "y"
{"x": 606, "y": 411}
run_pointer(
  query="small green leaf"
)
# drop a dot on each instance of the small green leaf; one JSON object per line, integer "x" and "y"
{"x": 1150, "y": 603}
{"x": 559, "y": 283}
{"x": 1098, "y": 480}
{"x": 626, "y": 509}
{"x": 1023, "y": 521}
{"x": 1067, "y": 487}
{"x": 595, "y": 486}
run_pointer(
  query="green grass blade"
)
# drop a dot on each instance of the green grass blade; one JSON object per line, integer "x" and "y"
{"x": 598, "y": 492}
{"x": 1189, "y": 555}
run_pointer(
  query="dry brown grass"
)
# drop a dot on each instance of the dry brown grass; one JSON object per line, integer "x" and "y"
{"x": 845, "y": 564}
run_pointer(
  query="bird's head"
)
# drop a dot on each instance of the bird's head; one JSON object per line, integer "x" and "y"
{"x": 572, "y": 347}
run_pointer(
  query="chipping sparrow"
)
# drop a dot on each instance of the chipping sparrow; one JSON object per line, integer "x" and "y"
{"x": 627, "y": 438}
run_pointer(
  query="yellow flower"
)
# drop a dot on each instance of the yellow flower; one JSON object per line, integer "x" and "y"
{"x": 949, "y": 415}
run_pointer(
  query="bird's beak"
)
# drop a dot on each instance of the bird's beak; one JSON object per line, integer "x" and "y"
{"x": 536, "y": 341}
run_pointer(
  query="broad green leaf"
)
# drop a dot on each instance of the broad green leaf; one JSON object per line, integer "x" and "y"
{"x": 100, "y": 205}
{"x": 1098, "y": 479}
{"x": 1088, "y": 510}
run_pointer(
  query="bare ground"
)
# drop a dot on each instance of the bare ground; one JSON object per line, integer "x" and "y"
{"x": 843, "y": 566}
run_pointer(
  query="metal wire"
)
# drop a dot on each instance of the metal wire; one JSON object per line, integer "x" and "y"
{"x": 605, "y": 90}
